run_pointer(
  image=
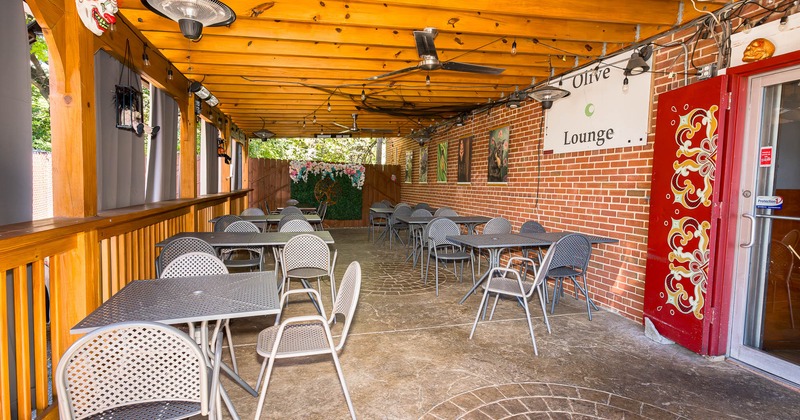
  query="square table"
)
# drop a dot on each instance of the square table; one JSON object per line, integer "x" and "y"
{"x": 383, "y": 212}
{"x": 494, "y": 244}
{"x": 191, "y": 300}
{"x": 270, "y": 219}
{"x": 245, "y": 239}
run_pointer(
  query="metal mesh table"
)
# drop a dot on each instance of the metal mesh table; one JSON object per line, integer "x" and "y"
{"x": 243, "y": 239}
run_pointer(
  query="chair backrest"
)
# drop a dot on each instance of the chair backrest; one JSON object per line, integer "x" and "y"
{"x": 347, "y": 299}
{"x": 130, "y": 363}
{"x": 497, "y": 226}
{"x": 321, "y": 210}
{"x": 179, "y": 247}
{"x": 440, "y": 229}
{"x": 573, "y": 250}
{"x": 224, "y": 221}
{"x": 296, "y": 225}
{"x": 291, "y": 210}
{"x": 422, "y": 206}
{"x": 781, "y": 261}
{"x": 421, "y": 213}
{"x": 252, "y": 211}
{"x": 242, "y": 226}
{"x": 404, "y": 211}
{"x": 792, "y": 238}
{"x": 267, "y": 210}
{"x": 532, "y": 227}
{"x": 289, "y": 217}
{"x": 445, "y": 212}
{"x": 292, "y": 202}
{"x": 386, "y": 203}
{"x": 306, "y": 251}
{"x": 194, "y": 264}
{"x": 379, "y": 205}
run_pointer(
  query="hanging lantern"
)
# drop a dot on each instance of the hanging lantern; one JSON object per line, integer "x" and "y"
{"x": 128, "y": 100}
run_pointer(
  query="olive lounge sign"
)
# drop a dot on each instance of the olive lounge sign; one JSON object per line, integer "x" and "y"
{"x": 603, "y": 111}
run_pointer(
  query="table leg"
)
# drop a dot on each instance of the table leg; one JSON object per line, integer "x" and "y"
{"x": 204, "y": 340}
{"x": 494, "y": 261}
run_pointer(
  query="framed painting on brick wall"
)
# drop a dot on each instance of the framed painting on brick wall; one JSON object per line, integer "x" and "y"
{"x": 441, "y": 162}
{"x": 464, "y": 159}
{"x": 423, "y": 164}
{"x": 409, "y": 165}
{"x": 498, "y": 155}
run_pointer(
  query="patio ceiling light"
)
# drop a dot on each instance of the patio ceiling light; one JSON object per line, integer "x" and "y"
{"x": 637, "y": 64}
{"x": 192, "y": 15}
{"x": 212, "y": 101}
{"x": 547, "y": 94}
{"x": 198, "y": 89}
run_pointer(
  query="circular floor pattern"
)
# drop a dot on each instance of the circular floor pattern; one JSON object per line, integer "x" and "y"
{"x": 539, "y": 400}
{"x": 393, "y": 277}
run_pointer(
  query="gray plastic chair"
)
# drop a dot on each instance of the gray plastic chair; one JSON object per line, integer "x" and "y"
{"x": 507, "y": 281}
{"x": 306, "y": 257}
{"x": 445, "y": 212}
{"x": 418, "y": 243}
{"x": 442, "y": 249}
{"x": 533, "y": 227}
{"x": 395, "y": 226}
{"x": 136, "y": 370}
{"x": 310, "y": 335}
{"x": 252, "y": 211}
{"x": 376, "y": 220}
{"x": 296, "y": 225}
{"x": 181, "y": 246}
{"x": 571, "y": 262}
{"x": 289, "y": 217}
{"x": 495, "y": 226}
{"x": 254, "y": 254}
{"x": 291, "y": 210}
{"x": 292, "y": 202}
{"x": 223, "y": 222}
{"x": 322, "y": 210}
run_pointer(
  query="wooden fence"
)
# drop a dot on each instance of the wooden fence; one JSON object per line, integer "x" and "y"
{"x": 270, "y": 182}
{"x": 86, "y": 262}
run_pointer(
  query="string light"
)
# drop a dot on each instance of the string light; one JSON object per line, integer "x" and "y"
{"x": 329, "y": 106}
{"x": 304, "y": 122}
{"x": 363, "y": 94}
{"x": 145, "y": 58}
{"x": 169, "y": 74}
{"x": 514, "y": 47}
{"x": 783, "y": 24}
{"x": 427, "y": 80}
{"x": 625, "y": 85}
{"x": 314, "y": 120}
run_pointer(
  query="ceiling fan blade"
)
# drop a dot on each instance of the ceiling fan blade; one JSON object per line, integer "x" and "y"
{"x": 424, "y": 41}
{"x": 341, "y": 126}
{"x": 471, "y": 68}
{"x": 344, "y": 131}
{"x": 394, "y": 73}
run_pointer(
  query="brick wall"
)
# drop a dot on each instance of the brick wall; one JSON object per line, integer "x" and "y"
{"x": 602, "y": 193}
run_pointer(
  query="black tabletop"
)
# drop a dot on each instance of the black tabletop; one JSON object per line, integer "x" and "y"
{"x": 235, "y": 239}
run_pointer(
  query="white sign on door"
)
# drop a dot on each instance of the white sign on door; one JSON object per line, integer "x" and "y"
{"x": 599, "y": 114}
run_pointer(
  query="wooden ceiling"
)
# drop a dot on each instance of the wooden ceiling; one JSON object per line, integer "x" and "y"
{"x": 285, "y": 60}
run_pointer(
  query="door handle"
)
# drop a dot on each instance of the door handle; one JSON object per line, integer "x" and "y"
{"x": 752, "y": 240}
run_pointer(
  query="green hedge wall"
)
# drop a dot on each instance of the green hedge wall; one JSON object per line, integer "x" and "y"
{"x": 348, "y": 204}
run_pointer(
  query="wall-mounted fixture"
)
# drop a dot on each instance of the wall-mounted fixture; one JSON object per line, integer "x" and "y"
{"x": 514, "y": 100}
{"x": 192, "y": 15}
{"x": 198, "y": 89}
{"x": 212, "y": 101}
{"x": 637, "y": 64}
{"x": 547, "y": 94}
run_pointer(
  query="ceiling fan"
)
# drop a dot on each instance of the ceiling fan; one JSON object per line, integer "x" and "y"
{"x": 356, "y": 129}
{"x": 430, "y": 61}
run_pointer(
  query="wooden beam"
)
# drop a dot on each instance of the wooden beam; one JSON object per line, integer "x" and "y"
{"x": 188, "y": 156}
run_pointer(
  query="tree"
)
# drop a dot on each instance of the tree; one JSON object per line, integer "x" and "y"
{"x": 40, "y": 87}
{"x": 352, "y": 150}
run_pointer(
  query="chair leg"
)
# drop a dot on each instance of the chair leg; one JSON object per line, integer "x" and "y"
{"x": 544, "y": 307}
{"x": 530, "y": 325}
{"x": 230, "y": 345}
{"x": 789, "y": 297}
{"x": 494, "y": 305}
{"x": 436, "y": 274}
{"x": 478, "y": 315}
{"x": 261, "y": 371}
{"x": 262, "y": 395}
{"x": 344, "y": 385}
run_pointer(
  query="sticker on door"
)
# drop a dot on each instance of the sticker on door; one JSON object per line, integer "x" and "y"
{"x": 769, "y": 202}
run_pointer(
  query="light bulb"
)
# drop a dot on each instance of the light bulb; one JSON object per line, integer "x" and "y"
{"x": 671, "y": 75}
{"x": 625, "y": 85}
{"x": 314, "y": 121}
{"x": 363, "y": 95}
{"x": 783, "y": 25}
{"x": 145, "y": 59}
{"x": 329, "y": 106}
{"x": 514, "y": 47}
{"x": 304, "y": 122}
{"x": 747, "y": 26}
{"x": 169, "y": 74}
{"x": 427, "y": 80}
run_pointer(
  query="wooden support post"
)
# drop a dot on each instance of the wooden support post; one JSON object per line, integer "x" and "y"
{"x": 188, "y": 140}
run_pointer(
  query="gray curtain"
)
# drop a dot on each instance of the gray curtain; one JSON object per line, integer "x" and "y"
{"x": 163, "y": 162}
{"x": 16, "y": 158}
{"x": 209, "y": 172}
{"x": 120, "y": 153}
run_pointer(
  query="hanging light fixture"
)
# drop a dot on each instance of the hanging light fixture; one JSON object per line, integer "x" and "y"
{"x": 514, "y": 100}
{"x": 427, "y": 80}
{"x": 329, "y": 105}
{"x": 193, "y": 15}
{"x": 546, "y": 94}
{"x": 263, "y": 134}
{"x": 625, "y": 84}
{"x": 363, "y": 93}
{"x": 514, "y": 47}
{"x": 145, "y": 57}
{"x": 169, "y": 74}
{"x": 637, "y": 64}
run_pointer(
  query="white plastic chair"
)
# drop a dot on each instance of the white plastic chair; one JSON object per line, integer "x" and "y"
{"x": 181, "y": 246}
{"x": 507, "y": 281}
{"x": 201, "y": 264}
{"x": 310, "y": 335}
{"x": 254, "y": 254}
{"x": 305, "y": 257}
{"x": 135, "y": 370}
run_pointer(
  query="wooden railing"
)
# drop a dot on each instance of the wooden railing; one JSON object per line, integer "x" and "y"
{"x": 86, "y": 261}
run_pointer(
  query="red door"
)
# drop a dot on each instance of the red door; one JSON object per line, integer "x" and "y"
{"x": 682, "y": 230}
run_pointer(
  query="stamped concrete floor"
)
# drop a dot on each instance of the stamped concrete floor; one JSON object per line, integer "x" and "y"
{"x": 409, "y": 356}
